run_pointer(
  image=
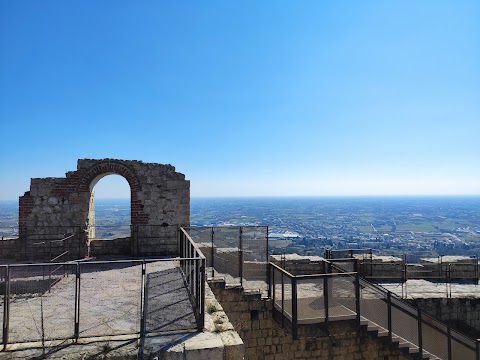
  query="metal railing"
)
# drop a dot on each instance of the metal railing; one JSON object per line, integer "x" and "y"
{"x": 338, "y": 295}
{"x": 238, "y": 254}
{"x": 193, "y": 265}
{"x": 89, "y": 299}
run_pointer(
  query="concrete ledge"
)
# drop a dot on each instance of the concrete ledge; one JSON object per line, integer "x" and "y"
{"x": 219, "y": 341}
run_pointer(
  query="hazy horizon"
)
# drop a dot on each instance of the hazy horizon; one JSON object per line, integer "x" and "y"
{"x": 416, "y": 196}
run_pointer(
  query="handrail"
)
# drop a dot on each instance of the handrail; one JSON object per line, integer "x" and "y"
{"x": 194, "y": 244}
{"x": 312, "y": 276}
{"x": 396, "y": 307}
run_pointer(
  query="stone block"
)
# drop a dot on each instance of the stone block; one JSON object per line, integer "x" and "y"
{"x": 233, "y": 345}
{"x": 205, "y": 346}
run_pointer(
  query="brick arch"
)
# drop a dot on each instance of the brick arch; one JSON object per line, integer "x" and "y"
{"x": 104, "y": 168}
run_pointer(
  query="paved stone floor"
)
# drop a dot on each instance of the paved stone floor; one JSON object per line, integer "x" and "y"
{"x": 43, "y": 307}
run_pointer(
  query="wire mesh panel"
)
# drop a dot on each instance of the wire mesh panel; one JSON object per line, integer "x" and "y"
{"x": 404, "y": 321}
{"x": 283, "y": 294}
{"x": 463, "y": 348}
{"x": 110, "y": 298}
{"x": 311, "y": 301}
{"x": 156, "y": 240}
{"x": 226, "y": 243}
{"x": 255, "y": 258}
{"x": 202, "y": 236}
{"x": 42, "y": 302}
{"x": 373, "y": 305}
{"x": 343, "y": 264}
{"x": 53, "y": 242}
{"x": 342, "y": 301}
{"x": 169, "y": 301}
{"x": 434, "y": 337}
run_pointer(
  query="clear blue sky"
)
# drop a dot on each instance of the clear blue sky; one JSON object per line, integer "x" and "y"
{"x": 246, "y": 97}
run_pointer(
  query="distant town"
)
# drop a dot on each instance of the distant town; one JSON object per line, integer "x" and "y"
{"x": 417, "y": 226}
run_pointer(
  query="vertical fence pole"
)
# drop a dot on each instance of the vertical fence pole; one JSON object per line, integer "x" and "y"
{"x": 294, "y": 308}
{"x": 389, "y": 311}
{"x": 240, "y": 257}
{"x": 266, "y": 261}
{"x": 272, "y": 287}
{"x": 6, "y": 307}
{"x": 143, "y": 298}
{"x": 202, "y": 294}
{"x": 478, "y": 349}
{"x": 357, "y": 298}
{"x": 420, "y": 336}
{"x": 191, "y": 268}
{"x": 76, "y": 329}
{"x": 213, "y": 256}
{"x": 198, "y": 279}
{"x": 283, "y": 300}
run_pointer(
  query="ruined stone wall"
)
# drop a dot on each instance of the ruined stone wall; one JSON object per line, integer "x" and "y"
{"x": 159, "y": 196}
{"x": 264, "y": 338}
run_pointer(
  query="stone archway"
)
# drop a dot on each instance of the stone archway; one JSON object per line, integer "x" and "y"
{"x": 159, "y": 197}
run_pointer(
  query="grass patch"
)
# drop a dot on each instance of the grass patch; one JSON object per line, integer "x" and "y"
{"x": 212, "y": 308}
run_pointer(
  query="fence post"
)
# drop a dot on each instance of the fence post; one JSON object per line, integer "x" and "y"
{"x": 143, "y": 297}
{"x": 77, "y": 303}
{"x": 420, "y": 335}
{"x": 325, "y": 299}
{"x": 266, "y": 260}
{"x": 389, "y": 310}
{"x": 6, "y": 308}
{"x": 478, "y": 349}
{"x": 294, "y": 308}
{"x": 357, "y": 298}
{"x": 240, "y": 257}
{"x": 202, "y": 294}
{"x": 272, "y": 287}
{"x": 283, "y": 299}
{"x": 212, "y": 256}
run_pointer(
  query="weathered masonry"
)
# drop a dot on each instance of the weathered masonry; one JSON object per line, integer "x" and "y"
{"x": 57, "y": 208}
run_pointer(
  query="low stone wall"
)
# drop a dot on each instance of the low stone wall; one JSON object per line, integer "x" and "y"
{"x": 300, "y": 265}
{"x": 464, "y": 269}
{"x": 156, "y": 241}
{"x": 106, "y": 247}
{"x": 125, "y": 246}
{"x": 264, "y": 338}
{"x": 43, "y": 248}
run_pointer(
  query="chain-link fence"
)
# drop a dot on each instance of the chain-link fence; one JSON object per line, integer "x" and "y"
{"x": 85, "y": 299}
